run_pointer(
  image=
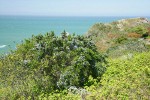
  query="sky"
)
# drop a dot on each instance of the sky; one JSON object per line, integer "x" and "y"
{"x": 75, "y": 7}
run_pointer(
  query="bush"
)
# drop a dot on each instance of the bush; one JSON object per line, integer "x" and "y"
{"x": 126, "y": 79}
{"x": 120, "y": 39}
{"x": 139, "y": 30}
{"x": 45, "y": 63}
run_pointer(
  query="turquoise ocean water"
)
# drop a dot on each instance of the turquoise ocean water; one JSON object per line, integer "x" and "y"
{"x": 14, "y": 29}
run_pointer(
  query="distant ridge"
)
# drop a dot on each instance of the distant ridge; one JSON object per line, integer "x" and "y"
{"x": 122, "y": 36}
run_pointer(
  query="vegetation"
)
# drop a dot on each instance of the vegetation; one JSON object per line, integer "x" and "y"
{"x": 127, "y": 79}
{"x": 69, "y": 67}
{"x": 139, "y": 30}
{"x": 120, "y": 36}
{"x": 44, "y": 64}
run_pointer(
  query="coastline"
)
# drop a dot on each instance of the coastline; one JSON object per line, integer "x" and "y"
{"x": 14, "y": 28}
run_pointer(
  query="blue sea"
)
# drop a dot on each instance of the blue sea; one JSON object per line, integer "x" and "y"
{"x": 14, "y": 29}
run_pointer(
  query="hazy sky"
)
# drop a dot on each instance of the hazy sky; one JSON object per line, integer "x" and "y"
{"x": 75, "y": 7}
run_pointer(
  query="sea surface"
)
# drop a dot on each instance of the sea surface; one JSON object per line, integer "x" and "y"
{"x": 14, "y": 29}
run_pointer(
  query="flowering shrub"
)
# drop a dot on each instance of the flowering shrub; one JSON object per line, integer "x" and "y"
{"x": 46, "y": 63}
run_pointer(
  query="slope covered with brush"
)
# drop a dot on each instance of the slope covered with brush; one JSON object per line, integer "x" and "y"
{"x": 121, "y": 37}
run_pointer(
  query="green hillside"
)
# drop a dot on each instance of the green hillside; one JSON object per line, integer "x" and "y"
{"x": 111, "y": 62}
{"x": 121, "y": 37}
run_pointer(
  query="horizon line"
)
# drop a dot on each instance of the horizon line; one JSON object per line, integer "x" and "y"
{"x": 76, "y": 15}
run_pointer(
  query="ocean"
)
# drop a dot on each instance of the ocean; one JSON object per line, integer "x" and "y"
{"x": 14, "y": 29}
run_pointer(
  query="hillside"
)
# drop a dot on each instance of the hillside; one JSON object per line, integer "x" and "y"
{"x": 70, "y": 67}
{"x": 121, "y": 37}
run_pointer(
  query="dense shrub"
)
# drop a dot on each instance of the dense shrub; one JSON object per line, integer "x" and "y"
{"x": 139, "y": 30}
{"x": 120, "y": 39}
{"x": 45, "y": 63}
{"x": 126, "y": 80}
